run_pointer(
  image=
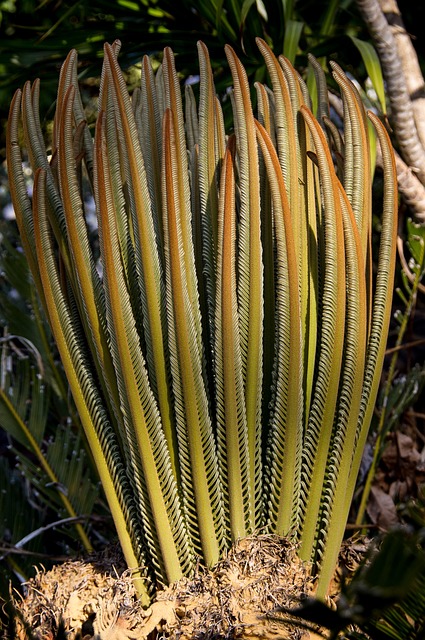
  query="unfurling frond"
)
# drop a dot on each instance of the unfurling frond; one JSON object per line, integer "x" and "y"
{"x": 222, "y": 336}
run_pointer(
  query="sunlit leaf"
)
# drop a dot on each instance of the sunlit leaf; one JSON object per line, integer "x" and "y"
{"x": 373, "y": 68}
{"x": 293, "y": 31}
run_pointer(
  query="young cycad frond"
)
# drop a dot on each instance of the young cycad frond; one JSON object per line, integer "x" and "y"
{"x": 224, "y": 349}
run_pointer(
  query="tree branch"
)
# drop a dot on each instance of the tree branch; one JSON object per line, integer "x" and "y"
{"x": 410, "y": 63}
{"x": 402, "y": 117}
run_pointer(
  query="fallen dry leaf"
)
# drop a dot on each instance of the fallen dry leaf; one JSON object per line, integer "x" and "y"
{"x": 381, "y": 509}
{"x": 407, "y": 448}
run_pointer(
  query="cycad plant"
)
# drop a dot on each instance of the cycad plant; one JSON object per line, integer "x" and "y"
{"x": 223, "y": 337}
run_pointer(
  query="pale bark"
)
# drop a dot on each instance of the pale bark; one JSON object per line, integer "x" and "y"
{"x": 410, "y": 63}
{"x": 401, "y": 115}
{"x": 411, "y": 190}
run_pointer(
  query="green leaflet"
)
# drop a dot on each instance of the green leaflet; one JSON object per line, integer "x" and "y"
{"x": 100, "y": 437}
{"x": 250, "y": 285}
{"x": 232, "y": 429}
{"x": 156, "y": 493}
{"x": 199, "y": 468}
{"x": 293, "y": 31}
{"x": 224, "y": 348}
{"x": 373, "y": 67}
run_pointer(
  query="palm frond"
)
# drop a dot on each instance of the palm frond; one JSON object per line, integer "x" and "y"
{"x": 250, "y": 284}
{"x": 146, "y": 448}
{"x": 381, "y": 306}
{"x": 199, "y": 469}
{"x": 331, "y": 341}
{"x": 232, "y": 430}
{"x": 24, "y": 405}
{"x": 224, "y": 343}
{"x": 356, "y": 158}
{"x": 101, "y": 438}
{"x": 285, "y": 440}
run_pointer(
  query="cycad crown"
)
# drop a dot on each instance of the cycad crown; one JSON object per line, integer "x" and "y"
{"x": 225, "y": 348}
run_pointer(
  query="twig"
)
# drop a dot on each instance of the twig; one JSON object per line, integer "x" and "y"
{"x": 18, "y": 545}
{"x": 410, "y": 276}
{"x": 405, "y": 346}
{"x": 36, "y": 554}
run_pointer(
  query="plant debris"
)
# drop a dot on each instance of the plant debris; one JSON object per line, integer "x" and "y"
{"x": 96, "y": 598}
{"x": 259, "y": 574}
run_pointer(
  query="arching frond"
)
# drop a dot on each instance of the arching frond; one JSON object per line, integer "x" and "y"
{"x": 153, "y": 481}
{"x": 224, "y": 342}
{"x": 285, "y": 441}
{"x": 199, "y": 469}
{"x": 382, "y": 300}
{"x": 357, "y": 158}
{"x": 232, "y": 431}
{"x": 146, "y": 263}
{"x": 250, "y": 268}
{"x": 330, "y": 348}
{"x": 101, "y": 438}
{"x": 336, "y": 499}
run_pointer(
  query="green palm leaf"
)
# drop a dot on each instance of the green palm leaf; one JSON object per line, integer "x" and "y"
{"x": 101, "y": 438}
{"x": 146, "y": 261}
{"x": 293, "y": 31}
{"x": 330, "y": 348}
{"x": 24, "y": 404}
{"x": 199, "y": 470}
{"x": 284, "y": 450}
{"x": 250, "y": 275}
{"x": 232, "y": 427}
{"x": 147, "y": 450}
{"x": 373, "y": 68}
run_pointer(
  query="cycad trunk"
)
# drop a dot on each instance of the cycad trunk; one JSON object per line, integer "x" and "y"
{"x": 236, "y": 599}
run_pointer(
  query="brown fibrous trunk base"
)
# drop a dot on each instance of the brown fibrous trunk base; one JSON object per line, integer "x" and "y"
{"x": 236, "y": 599}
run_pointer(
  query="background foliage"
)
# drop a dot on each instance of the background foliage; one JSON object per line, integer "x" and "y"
{"x": 34, "y": 39}
{"x": 36, "y": 36}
